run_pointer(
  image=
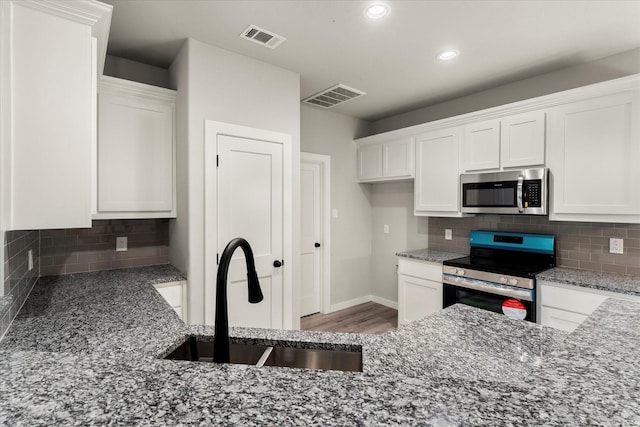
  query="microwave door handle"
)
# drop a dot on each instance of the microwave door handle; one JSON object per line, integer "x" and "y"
{"x": 519, "y": 194}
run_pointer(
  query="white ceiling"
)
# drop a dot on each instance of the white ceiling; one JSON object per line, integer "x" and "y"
{"x": 392, "y": 60}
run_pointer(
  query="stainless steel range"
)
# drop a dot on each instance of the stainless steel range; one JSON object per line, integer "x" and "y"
{"x": 499, "y": 274}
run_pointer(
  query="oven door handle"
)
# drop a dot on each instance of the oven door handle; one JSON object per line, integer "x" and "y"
{"x": 488, "y": 287}
{"x": 519, "y": 194}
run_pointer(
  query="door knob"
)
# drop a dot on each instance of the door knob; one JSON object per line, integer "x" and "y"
{"x": 317, "y": 245}
{"x": 277, "y": 264}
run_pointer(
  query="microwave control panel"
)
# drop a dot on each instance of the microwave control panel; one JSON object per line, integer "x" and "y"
{"x": 532, "y": 196}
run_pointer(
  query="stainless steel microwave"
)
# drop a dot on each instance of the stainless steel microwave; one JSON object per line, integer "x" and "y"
{"x": 516, "y": 192}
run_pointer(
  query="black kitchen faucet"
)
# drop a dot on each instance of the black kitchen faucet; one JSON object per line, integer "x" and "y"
{"x": 221, "y": 339}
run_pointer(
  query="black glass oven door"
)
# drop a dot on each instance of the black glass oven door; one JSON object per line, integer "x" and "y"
{"x": 488, "y": 301}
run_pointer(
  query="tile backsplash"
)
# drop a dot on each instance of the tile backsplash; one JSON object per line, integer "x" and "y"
{"x": 580, "y": 245}
{"x": 18, "y": 279}
{"x": 93, "y": 249}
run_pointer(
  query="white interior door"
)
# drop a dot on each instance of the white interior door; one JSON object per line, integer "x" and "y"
{"x": 310, "y": 235}
{"x": 250, "y": 205}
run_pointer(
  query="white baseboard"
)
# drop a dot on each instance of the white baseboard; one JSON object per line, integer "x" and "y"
{"x": 385, "y": 302}
{"x": 362, "y": 300}
{"x": 350, "y": 303}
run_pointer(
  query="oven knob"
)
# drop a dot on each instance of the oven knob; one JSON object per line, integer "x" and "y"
{"x": 503, "y": 279}
{"x": 513, "y": 282}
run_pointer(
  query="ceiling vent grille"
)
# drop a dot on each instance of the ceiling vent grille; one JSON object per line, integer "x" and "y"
{"x": 333, "y": 96}
{"x": 262, "y": 37}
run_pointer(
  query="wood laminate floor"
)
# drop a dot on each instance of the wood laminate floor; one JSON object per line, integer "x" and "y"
{"x": 367, "y": 318}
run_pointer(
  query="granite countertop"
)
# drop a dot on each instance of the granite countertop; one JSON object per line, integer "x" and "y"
{"x": 430, "y": 255}
{"x": 618, "y": 283}
{"x": 85, "y": 348}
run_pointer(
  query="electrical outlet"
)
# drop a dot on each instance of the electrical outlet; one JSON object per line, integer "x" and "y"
{"x": 386, "y": 229}
{"x": 30, "y": 259}
{"x": 448, "y": 235}
{"x": 616, "y": 246}
{"x": 121, "y": 244}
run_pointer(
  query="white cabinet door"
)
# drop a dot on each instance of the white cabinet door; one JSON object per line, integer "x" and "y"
{"x": 417, "y": 298}
{"x": 510, "y": 142}
{"x": 136, "y": 147}
{"x": 419, "y": 289}
{"x": 48, "y": 93}
{"x": 437, "y": 189}
{"x": 386, "y": 161}
{"x": 370, "y": 162}
{"x": 398, "y": 159}
{"x": 593, "y": 157}
{"x": 481, "y": 147}
{"x": 522, "y": 140}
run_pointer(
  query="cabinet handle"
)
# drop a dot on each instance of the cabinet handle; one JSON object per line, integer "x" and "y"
{"x": 277, "y": 264}
{"x": 317, "y": 245}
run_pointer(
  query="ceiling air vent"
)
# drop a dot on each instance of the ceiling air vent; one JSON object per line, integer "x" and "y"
{"x": 263, "y": 37}
{"x": 333, "y": 96}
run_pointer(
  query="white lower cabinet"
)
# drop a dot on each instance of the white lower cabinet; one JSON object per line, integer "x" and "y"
{"x": 419, "y": 289}
{"x": 565, "y": 307}
{"x": 175, "y": 294}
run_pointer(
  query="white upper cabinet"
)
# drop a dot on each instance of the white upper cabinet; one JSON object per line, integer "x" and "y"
{"x": 51, "y": 55}
{"x": 386, "y": 161}
{"x": 508, "y": 142}
{"x": 593, "y": 157}
{"x": 481, "y": 148}
{"x": 136, "y": 146}
{"x": 522, "y": 140}
{"x": 370, "y": 162}
{"x": 437, "y": 188}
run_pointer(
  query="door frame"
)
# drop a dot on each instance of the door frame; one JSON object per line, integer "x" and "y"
{"x": 211, "y": 131}
{"x": 324, "y": 162}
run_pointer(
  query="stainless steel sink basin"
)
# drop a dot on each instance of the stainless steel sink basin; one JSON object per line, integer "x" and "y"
{"x": 315, "y": 358}
{"x": 201, "y": 350}
{"x": 196, "y": 350}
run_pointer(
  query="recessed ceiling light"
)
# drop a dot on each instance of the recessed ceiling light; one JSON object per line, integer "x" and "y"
{"x": 448, "y": 55}
{"x": 376, "y": 11}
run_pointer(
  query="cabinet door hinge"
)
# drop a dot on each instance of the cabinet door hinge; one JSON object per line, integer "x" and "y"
{"x": 217, "y": 160}
{"x": 217, "y": 259}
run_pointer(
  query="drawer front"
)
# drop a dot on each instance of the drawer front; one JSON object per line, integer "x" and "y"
{"x": 422, "y": 269}
{"x": 577, "y": 301}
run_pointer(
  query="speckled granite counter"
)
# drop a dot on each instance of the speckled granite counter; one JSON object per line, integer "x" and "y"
{"x": 618, "y": 283}
{"x": 429, "y": 255}
{"x": 84, "y": 351}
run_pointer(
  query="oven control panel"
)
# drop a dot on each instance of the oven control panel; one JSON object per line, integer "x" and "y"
{"x": 502, "y": 279}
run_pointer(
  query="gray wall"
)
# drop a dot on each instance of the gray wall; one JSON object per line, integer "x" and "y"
{"x": 325, "y": 132}
{"x": 392, "y": 204}
{"x": 216, "y": 84}
{"x": 615, "y": 66}
{"x": 137, "y": 72}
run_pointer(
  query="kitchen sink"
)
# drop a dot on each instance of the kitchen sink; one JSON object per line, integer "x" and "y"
{"x": 197, "y": 349}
